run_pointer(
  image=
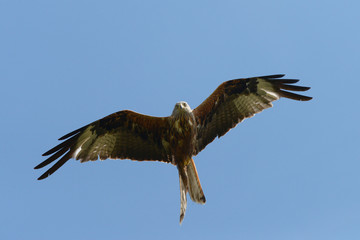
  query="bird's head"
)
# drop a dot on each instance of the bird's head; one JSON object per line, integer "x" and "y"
{"x": 181, "y": 108}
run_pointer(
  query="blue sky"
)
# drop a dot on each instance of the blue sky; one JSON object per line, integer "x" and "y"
{"x": 291, "y": 172}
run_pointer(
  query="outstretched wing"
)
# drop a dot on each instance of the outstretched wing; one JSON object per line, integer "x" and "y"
{"x": 237, "y": 99}
{"x": 121, "y": 135}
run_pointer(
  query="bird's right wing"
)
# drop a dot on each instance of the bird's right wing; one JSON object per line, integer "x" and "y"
{"x": 121, "y": 135}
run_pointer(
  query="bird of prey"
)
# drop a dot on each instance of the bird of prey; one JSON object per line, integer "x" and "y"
{"x": 177, "y": 138}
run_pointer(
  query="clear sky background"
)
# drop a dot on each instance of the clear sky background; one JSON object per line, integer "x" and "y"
{"x": 291, "y": 172}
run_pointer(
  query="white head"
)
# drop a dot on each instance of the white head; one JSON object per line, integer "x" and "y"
{"x": 181, "y": 107}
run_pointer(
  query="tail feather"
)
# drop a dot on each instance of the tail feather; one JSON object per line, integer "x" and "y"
{"x": 195, "y": 190}
{"x": 183, "y": 191}
{"x": 189, "y": 182}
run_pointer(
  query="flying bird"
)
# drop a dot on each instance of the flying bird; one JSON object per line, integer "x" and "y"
{"x": 177, "y": 138}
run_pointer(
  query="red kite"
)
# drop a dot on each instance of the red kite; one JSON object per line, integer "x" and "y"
{"x": 177, "y": 138}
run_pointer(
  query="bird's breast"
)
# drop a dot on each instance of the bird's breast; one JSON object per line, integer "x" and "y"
{"x": 182, "y": 137}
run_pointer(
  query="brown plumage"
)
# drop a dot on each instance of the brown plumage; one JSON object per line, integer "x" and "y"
{"x": 177, "y": 138}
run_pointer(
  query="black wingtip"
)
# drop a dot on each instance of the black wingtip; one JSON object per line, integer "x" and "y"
{"x": 272, "y": 76}
{"x": 73, "y": 133}
{"x": 49, "y": 152}
{"x": 294, "y": 96}
{"x": 55, "y": 167}
{"x": 43, "y": 177}
{"x": 292, "y": 87}
{"x": 305, "y": 98}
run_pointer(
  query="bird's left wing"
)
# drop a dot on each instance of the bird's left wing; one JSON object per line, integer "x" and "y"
{"x": 237, "y": 99}
{"x": 121, "y": 135}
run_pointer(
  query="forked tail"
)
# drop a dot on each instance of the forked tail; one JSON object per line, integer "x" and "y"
{"x": 189, "y": 182}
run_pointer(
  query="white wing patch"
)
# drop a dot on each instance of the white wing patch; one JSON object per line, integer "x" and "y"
{"x": 79, "y": 148}
{"x": 272, "y": 94}
{"x": 92, "y": 147}
{"x": 76, "y": 152}
{"x": 267, "y": 89}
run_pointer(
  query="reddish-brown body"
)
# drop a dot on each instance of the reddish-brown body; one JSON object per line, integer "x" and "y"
{"x": 182, "y": 138}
